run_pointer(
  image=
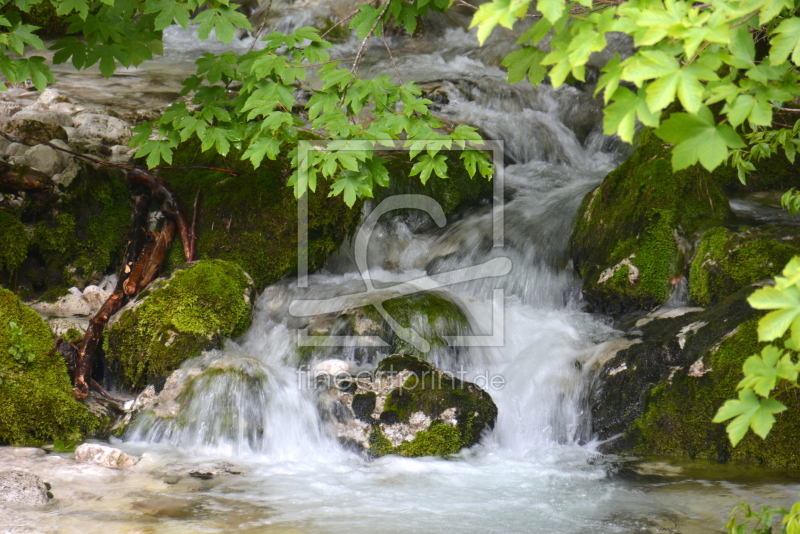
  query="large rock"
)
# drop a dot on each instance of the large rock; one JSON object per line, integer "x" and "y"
{"x": 177, "y": 318}
{"x": 103, "y": 456}
{"x": 20, "y": 488}
{"x": 727, "y": 260}
{"x": 46, "y": 117}
{"x": 406, "y": 407}
{"x": 109, "y": 130}
{"x": 36, "y": 401}
{"x": 33, "y": 129}
{"x": 251, "y": 219}
{"x": 633, "y": 234}
{"x": 45, "y": 159}
{"x": 432, "y": 317}
{"x": 658, "y": 396}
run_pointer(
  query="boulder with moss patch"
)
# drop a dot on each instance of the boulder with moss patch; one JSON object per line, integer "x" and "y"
{"x": 432, "y": 317}
{"x": 632, "y": 233}
{"x": 177, "y": 318}
{"x": 728, "y": 260}
{"x": 406, "y": 407}
{"x": 659, "y": 396}
{"x": 36, "y": 401}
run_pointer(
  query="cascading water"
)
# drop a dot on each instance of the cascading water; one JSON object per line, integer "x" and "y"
{"x": 251, "y": 404}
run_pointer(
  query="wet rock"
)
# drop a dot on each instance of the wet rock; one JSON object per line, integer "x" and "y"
{"x": 45, "y": 159}
{"x": 632, "y": 234}
{"x": 95, "y": 297}
{"x": 170, "y": 507}
{"x": 66, "y": 158}
{"x": 16, "y": 149}
{"x": 8, "y": 108}
{"x": 104, "y": 456}
{"x": 4, "y": 143}
{"x": 46, "y": 117}
{"x": 178, "y": 318}
{"x": 28, "y": 130}
{"x": 659, "y": 396}
{"x": 50, "y": 97}
{"x": 65, "y": 177}
{"x": 59, "y": 326}
{"x": 67, "y": 306}
{"x": 21, "y": 488}
{"x": 109, "y": 130}
{"x": 406, "y": 407}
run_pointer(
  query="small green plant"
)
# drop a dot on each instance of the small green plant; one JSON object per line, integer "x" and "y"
{"x": 20, "y": 349}
{"x": 61, "y": 445}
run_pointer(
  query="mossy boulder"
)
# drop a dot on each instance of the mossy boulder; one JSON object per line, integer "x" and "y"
{"x": 72, "y": 238}
{"x": 36, "y": 401}
{"x": 432, "y": 316}
{"x": 659, "y": 396}
{"x": 251, "y": 219}
{"x": 409, "y": 407}
{"x": 177, "y": 318}
{"x": 728, "y": 260}
{"x": 632, "y": 233}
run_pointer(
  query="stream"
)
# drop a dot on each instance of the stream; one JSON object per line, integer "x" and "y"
{"x": 538, "y": 470}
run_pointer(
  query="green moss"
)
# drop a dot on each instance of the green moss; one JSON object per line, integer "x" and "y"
{"x": 439, "y": 440}
{"x": 85, "y": 233}
{"x": 43, "y": 15}
{"x": 678, "y": 419}
{"x": 178, "y": 318}
{"x": 36, "y": 401}
{"x": 14, "y": 242}
{"x": 251, "y": 219}
{"x": 634, "y": 214}
{"x": 431, "y": 392}
{"x": 379, "y": 445}
{"x": 727, "y": 261}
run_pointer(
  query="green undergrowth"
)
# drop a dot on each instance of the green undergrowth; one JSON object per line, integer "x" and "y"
{"x": 36, "y": 401}
{"x": 14, "y": 243}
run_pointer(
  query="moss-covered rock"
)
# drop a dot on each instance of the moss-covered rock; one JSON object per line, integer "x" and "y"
{"x": 631, "y": 234}
{"x": 78, "y": 236}
{"x": 177, "y": 318}
{"x": 36, "y": 401}
{"x": 432, "y": 316}
{"x": 409, "y": 407}
{"x": 251, "y": 219}
{"x": 659, "y": 396}
{"x": 726, "y": 260}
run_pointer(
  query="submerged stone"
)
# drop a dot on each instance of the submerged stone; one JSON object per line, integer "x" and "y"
{"x": 177, "y": 318}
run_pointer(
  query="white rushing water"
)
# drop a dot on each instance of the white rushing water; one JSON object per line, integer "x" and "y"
{"x": 537, "y": 471}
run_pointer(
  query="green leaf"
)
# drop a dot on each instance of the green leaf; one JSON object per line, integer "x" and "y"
{"x": 762, "y": 372}
{"x": 786, "y": 41}
{"x": 364, "y": 20}
{"x": 525, "y": 61}
{"x": 506, "y": 13}
{"x": 352, "y": 186}
{"x": 427, "y": 165}
{"x": 620, "y": 116}
{"x": 748, "y": 412}
{"x": 698, "y": 138}
{"x": 785, "y": 300}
